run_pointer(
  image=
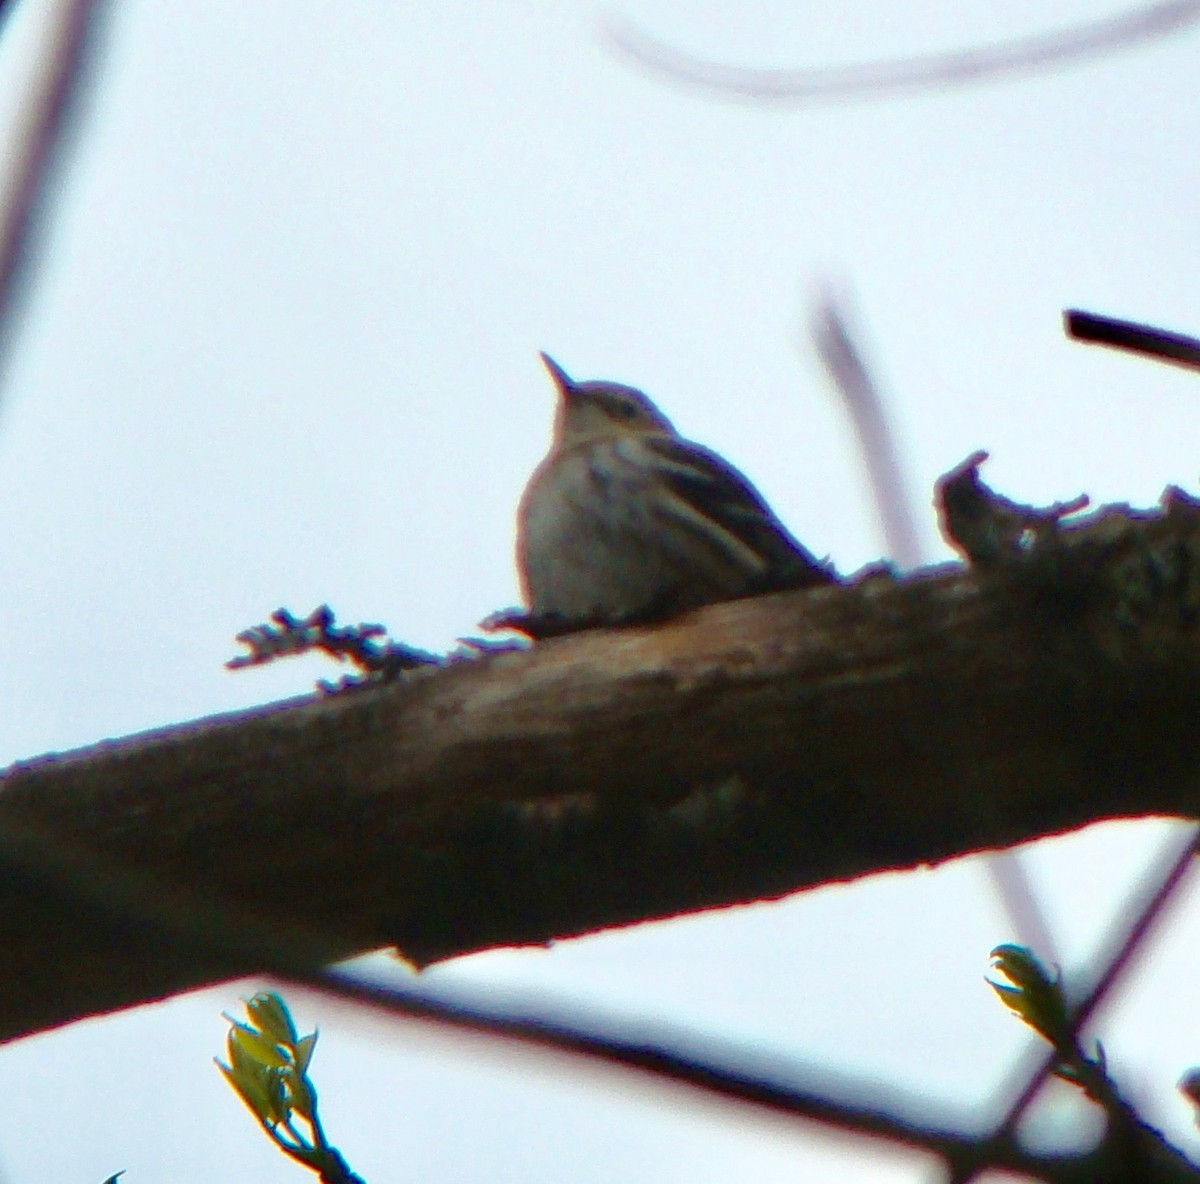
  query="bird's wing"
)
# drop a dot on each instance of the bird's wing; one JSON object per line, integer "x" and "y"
{"x": 708, "y": 487}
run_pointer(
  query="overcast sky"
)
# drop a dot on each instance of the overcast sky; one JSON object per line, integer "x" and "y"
{"x": 282, "y": 349}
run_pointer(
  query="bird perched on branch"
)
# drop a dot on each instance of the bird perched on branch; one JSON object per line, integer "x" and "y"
{"x": 624, "y": 520}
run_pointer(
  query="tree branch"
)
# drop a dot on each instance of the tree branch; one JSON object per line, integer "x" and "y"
{"x": 743, "y": 752}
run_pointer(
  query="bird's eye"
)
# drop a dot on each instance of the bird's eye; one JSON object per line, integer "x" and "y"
{"x": 626, "y": 410}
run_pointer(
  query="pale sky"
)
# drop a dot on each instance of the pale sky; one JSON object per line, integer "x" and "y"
{"x": 282, "y": 350}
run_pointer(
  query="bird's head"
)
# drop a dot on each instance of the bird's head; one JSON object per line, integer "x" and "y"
{"x": 592, "y": 411}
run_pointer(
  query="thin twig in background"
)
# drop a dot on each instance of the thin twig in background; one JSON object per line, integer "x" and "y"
{"x": 1136, "y": 338}
{"x": 1123, "y": 944}
{"x": 883, "y": 79}
{"x": 838, "y": 348}
{"x": 1010, "y": 878}
{"x": 45, "y": 119}
{"x": 842, "y": 357}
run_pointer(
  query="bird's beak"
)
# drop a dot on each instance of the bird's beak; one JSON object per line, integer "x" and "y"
{"x": 562, "y": 379}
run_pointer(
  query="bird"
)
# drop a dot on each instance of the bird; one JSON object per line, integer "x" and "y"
{"x": 626, "y": 521}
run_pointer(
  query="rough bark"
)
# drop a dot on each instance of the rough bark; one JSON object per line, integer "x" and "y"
{"x": 743, "y": 752}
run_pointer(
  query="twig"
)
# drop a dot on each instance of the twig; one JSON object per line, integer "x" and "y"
{"x": 860, "y": 396}
{"x": 365, "y": 646}
{"x": 882, "y": 79}
{"x": 47, "y": 116}
{"x": 991, "y": 530}
{"x": 1176, "y": 348}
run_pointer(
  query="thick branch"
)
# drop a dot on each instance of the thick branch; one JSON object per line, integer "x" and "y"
{"x": 746, "y": 751}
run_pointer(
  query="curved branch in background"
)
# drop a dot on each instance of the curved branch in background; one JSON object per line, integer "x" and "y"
{"x": 880, "y": 79}
{"x": 45, "y": 120}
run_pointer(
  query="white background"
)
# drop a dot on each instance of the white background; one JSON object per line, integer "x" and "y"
{"x": 282, "y": 349}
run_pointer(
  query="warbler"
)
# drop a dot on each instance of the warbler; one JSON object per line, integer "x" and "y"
{"x": 625, "y": 520}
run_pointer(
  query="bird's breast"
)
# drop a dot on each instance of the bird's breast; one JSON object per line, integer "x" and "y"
{"x": 597, "y": 539}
